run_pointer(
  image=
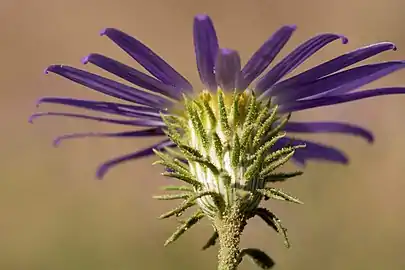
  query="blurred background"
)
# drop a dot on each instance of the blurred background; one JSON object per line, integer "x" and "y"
{"x": 54, "y": 214}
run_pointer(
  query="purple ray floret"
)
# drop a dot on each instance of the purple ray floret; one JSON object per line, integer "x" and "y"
{"x": 141, "y": 102}
{"x": 102, "y": 170}
{"x": 109, "y": 87}
{"x": 265, "y": 55}
{"x": 227, "y": 69}
{"x": 151, "y": 132}
{"x": 132, "y": 75}
{"x": 340, "y": 83}
{"x": 206, "y": 50}
{"x": 148, "y": 59}
{"x": 115, "y": 108}
{"x": 332, "y": 66}
{"x": 329, "y": 127}
{"x": 315, "y": 151}
{"x": 295, "y": 58}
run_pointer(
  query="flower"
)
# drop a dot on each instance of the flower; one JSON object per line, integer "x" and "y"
{"x": 227, "y": 139}
{"x": 323, "y": 85}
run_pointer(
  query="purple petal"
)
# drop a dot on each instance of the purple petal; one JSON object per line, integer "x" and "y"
{"x": 333, "y": 65}
{"x": 339, "y": 83}
{"x": 331, "y": 100}
{"x": 263, "y": 57}
{"x": 106, "y": 107}
{"x": 132, "y": 75}
{"x": 137, "y": 122}
{"x": 227, "y": 69}
{"x": 206, "y": 49}
{"x": 102, "y": 170}
{"x": 329, "y": 127}
{"x": 294, "y": 59}
{"x": 109, "y": 87}
{"x": 152, "y": 132}
{"x": 148, "y": 59}
{"x": 313, "y": 151}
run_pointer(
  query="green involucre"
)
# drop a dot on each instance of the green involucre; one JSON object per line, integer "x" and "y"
{"x": 225, "y": 154}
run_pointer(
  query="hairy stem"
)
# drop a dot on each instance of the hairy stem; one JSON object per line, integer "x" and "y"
{"x": 230, "y": 228}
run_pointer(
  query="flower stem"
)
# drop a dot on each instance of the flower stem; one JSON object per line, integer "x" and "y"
{"x": 230, "y": 227}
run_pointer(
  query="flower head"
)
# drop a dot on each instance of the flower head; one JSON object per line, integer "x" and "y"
{"x": 227, "y": 139}
{"x": 323, "y": 85}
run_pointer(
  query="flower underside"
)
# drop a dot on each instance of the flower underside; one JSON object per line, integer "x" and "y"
{"x": 226, "y": 154}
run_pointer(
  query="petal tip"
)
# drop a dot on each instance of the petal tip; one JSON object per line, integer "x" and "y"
{"x": 85, "y": 59}
{"x": 345, "y": 161}
{"x": 202, "y": 17}
{"x": 31, "y": 118}
{"x": 344, "y": 39}
{"x": 39, "y": 102}
{"x": 227, "y": 51}
{"x": 56, "y": 142}
{"x": 342, "y": 159}
{"x": 103, "y": 31}
{"x": 106, "y": 31}
{"x": 101, "y": 171}
{"x": 52, "y": 68}
{"x": 292, "y": 27}
{"x": 46, "y": 70}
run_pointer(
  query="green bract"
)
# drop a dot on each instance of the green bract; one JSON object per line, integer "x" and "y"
{"x": 226, "y": 154}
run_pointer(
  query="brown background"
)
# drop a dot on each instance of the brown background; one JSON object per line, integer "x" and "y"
{"x": 55, "y": 216}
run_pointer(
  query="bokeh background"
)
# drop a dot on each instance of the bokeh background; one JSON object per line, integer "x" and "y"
{"x": 54, "y": 215}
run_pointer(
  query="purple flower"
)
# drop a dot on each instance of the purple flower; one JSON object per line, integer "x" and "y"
{"x": 158, "y": 93}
